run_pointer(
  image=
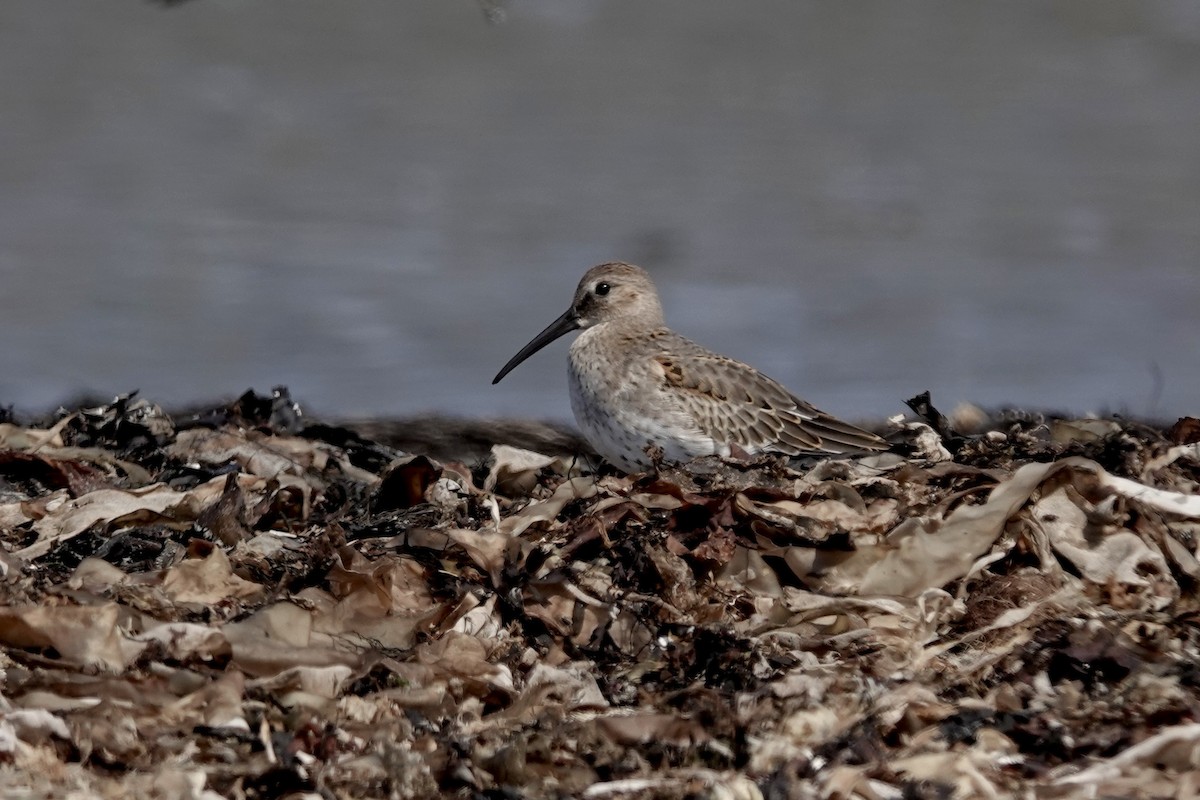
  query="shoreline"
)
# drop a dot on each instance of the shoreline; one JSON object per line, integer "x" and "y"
{"x": 239, "y": 598}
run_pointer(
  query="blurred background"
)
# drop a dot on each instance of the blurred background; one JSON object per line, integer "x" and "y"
{"x": 378, "y": 203}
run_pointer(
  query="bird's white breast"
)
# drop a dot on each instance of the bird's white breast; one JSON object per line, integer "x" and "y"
{"x": 622, "y": 409}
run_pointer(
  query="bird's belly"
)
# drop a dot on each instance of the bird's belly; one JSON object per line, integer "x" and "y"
{"x": 624, "y": 423}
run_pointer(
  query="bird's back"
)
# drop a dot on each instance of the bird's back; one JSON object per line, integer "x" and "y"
{"x": 698, "y": 402}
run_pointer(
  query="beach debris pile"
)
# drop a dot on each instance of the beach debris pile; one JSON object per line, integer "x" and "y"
{"x": 247, "y": 603}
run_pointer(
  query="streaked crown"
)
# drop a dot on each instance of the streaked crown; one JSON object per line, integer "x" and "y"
{"x": 616, "y": 291}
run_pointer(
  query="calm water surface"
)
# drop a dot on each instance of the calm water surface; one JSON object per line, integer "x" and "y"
{"x": 378, "y": 203}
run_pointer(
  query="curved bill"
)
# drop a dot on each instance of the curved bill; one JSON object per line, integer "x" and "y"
{"x": 563, "y": 325}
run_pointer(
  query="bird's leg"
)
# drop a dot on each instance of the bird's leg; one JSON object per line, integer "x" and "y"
{"x": 655, "y": 454}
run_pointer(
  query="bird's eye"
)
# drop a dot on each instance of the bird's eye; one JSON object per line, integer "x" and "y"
{"x": 602, "y": 288}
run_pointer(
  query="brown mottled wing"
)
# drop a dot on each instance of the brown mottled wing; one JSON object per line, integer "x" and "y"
{"x": 736, "y": 404}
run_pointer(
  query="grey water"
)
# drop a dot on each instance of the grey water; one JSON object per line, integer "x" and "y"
{"x": 377, "y": 203}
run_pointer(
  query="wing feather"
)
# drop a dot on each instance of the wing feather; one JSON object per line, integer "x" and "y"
{"x": 737, "y": 405}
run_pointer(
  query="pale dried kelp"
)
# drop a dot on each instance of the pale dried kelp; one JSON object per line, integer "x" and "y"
{"x": 242, "y": 603}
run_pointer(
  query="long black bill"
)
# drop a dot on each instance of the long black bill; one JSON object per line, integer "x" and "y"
{"x": 563, "y": 325}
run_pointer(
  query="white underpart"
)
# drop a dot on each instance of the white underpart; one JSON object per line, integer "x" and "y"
{"x": 623, "y": 412}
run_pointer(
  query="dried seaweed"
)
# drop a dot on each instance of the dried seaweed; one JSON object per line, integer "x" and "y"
{"x": 246, "y": 603}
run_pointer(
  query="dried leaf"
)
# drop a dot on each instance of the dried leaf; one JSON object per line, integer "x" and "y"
{"x": 87, "y": 636}
{"x": 207, "y": 581}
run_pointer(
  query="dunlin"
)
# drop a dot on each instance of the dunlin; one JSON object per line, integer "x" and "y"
{"x": 640, "y": 391}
